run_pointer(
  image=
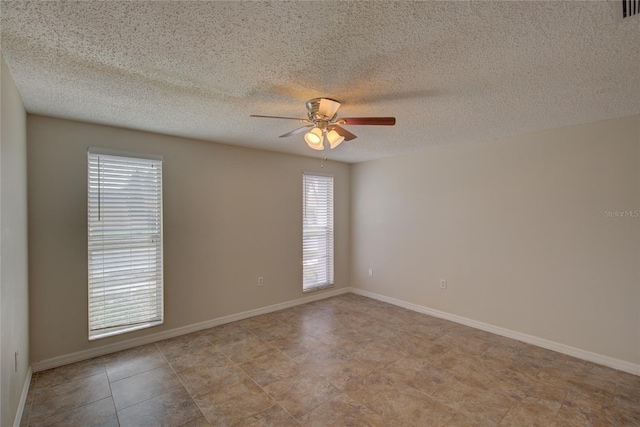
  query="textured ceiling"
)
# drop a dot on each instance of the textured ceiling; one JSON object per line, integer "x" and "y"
{"x": 450, "y": 72}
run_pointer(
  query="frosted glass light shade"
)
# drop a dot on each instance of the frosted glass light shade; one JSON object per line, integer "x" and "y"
{"x": 334, "y": 138}
{"x": 328, "y": 107}
{"x": 313, "y": 139}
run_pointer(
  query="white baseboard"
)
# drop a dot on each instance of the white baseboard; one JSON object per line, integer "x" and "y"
{"x": 23, "y": 398}
{"x": 600, "y": 359}
{"x": 78, "y": 356}
{"x": 54, "y": 362}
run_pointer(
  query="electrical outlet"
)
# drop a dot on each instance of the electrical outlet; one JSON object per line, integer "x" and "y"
{"x": 260, "y": 281}
{"x": 371, "y": 272}
{"x": 443, "y": 284}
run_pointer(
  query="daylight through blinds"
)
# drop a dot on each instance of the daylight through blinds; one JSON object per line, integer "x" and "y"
{"x": 317, "y": 233}
{"x": 125, "y": 244}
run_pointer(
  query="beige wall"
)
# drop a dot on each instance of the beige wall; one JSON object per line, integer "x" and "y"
{"x": 230, "y": 215}
{"x": 14, "y": 308}
{"x": 518, "y": 229}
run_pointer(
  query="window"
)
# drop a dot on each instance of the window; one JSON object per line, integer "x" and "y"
{"x": 125, "y": 243}
{"x": 317, "y": 232}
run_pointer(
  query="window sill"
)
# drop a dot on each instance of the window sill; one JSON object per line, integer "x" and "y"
{"x": 317, "y": 288}
{"x": 124, "y": 330}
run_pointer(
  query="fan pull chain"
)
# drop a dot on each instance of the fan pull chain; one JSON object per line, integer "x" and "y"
{"x": 322, "y": 163}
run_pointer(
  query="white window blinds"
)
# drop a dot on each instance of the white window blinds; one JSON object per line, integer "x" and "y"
{"x": 317, "y": 233}
{"x": 125, "y": 244}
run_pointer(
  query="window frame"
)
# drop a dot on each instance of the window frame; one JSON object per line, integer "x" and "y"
{"x": 330, "y": 235}
{"x": 158, "y": 315}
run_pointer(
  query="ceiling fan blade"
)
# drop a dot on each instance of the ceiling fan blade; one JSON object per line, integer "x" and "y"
{"x": 348, "y": 136}
{"x": 296, "y": 131}
{"x": 380, "y": 121}
{"x": 278, "y": 117}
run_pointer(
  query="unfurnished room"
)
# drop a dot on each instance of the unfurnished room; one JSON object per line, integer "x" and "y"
{"x": 320, "y": 213}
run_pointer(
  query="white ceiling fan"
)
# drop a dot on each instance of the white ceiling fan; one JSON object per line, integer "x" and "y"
{"x": 324, "y": 125}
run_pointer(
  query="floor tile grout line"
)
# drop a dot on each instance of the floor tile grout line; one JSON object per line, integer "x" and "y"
{"x": 65, "y": 383}
{"x": 145, "y": 400}
{"x": 68, "y": 380}
{"x": 168, "y": 363}
{"x": 505, "y": 414}
{"x": 271, "y": 396}
{"x": 133, "y": 375}
{"x": 143, "y": 372}
{"x": 193, "y": 399}
{"x": 263, "y": 390}
{"x": 252, "y": 380}
{"x": 57, "y": 414}
{"x": 342, "y": 391}
{"x": 111, "y": 396}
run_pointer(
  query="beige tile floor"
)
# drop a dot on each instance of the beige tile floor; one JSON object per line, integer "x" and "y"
{"x": 343, "y": 361}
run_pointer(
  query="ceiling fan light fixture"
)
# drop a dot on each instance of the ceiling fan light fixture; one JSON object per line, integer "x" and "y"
{"x": 313, "y": 138}
{"x": 334, "y": 138}
{"x": 328, "y": 107}
{"x": 326, "y": 126}
{"x": 318, "y": 147}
